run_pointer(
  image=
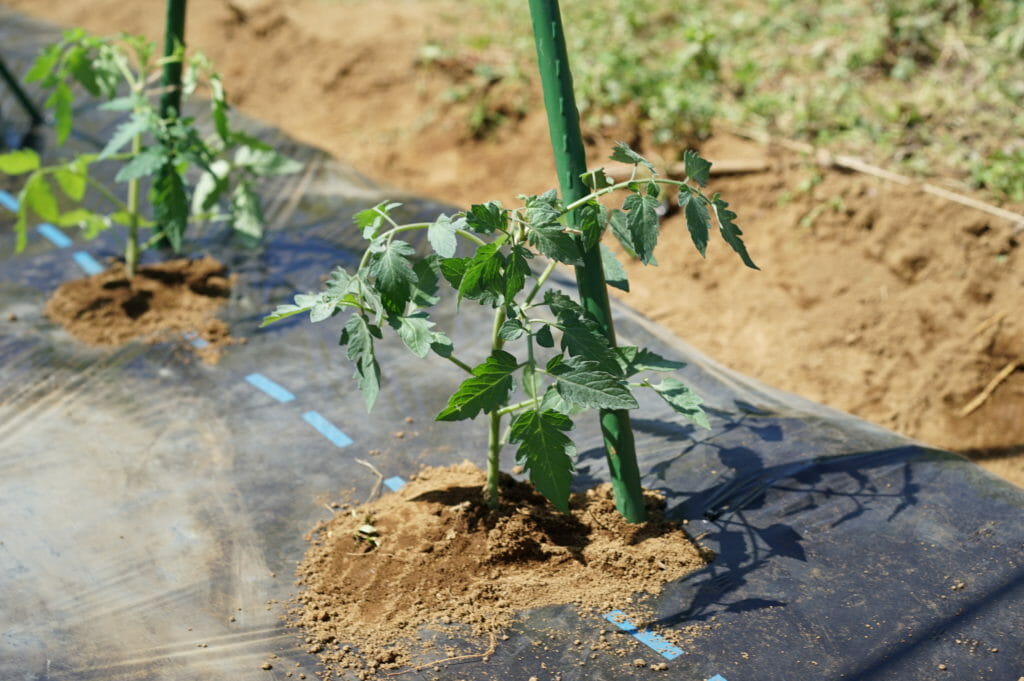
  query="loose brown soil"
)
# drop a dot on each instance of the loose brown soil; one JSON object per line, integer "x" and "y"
{"x": 162, "y": 302}
{"x": 444, "y": 558}
{"x": 877, "y": 299}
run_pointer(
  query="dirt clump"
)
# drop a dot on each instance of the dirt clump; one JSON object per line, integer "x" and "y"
{"x": 433, "y": 554}
{"x": 176, "y": 299}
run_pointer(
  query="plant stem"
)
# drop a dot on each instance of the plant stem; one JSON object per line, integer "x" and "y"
{"x": 131, "y": 250}
{"x": 494, "y": 418}
{"x": 570, "y": 161}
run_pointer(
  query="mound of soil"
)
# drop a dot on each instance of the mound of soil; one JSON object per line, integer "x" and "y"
{"x": 434, "y": 554}
{"x": 173, "y": 300}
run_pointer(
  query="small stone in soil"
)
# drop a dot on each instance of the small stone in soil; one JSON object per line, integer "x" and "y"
{"x": 639, "y": 662}
{"x": 266, "y": 665}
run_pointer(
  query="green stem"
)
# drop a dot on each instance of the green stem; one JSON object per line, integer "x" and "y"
{"x": 515, "y": 407}
{"x": 131, "y": 251}
{"x": 494, "y": 418}
{"x": 570, "y": 161}
{"x": 459, "y": 363}
{"x": 541, "y": 280}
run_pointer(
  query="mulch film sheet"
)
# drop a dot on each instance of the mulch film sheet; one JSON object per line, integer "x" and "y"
{"x": 152, "y": 507}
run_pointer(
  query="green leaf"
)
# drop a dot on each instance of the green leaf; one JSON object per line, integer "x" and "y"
{"x": 697, "y": 220}
{"x": 124, "y": 133}
{"x": 633, "y": 360}
{"x": 553, "y": 401}
{"x": 170, "y": 206}
{"x": 487, "y": 217}
{"x": 441, "y": 235}
{"x": 544, "y": 338}
{"x": 265, "y": 161}
{"x": 511, "y": 330}
{"x": 210, "y": 186}
{"x": 697, "y": 169}
{"x": 60, "y": 101}
{"x": 624, "y": 154}
{"x": 581, "y": 335}
{"x": 414, "y": 330}
{"x": 283, "y": 312}
{"x": 72, "y": 180}
{"x": 488, "y": 390}
{"x": 683, "y": 400}
{"x": 546, "y": 452}
{"x": 591, "y": 219}
{"x": 372, "y": 219}
{"x": 74, "y": 217}
{"x": 358, "y": 335}
{"x": 425, "y": 291}
{"x": 44, "y": 63}
{"x": 145, "y": 163}
{"x": 730, "y": 230}
{"x": 219, "y": 108}
{"x": 589, "y": 386}
{"x": 614, "y": 273}
{"x": 19, "y": 162}
{"x": 246, "y": 214}
{"x": 516, "y": 269}
{"x": 553, "y": 241}
{"x": 393, "y": 275}
{"x": 21, "y": 231}
{"x": 37, "y": 195}
{"x": 483, "y": 275}
{"x": 642, "y": 220}
{"x": 596, "y": 179}
{"x": 620, "y": 228}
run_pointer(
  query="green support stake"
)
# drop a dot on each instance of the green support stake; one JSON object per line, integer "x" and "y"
{"x": 174, "y": 35}
{"x": 170, "y": 81}
{"x": 571, "y": 162}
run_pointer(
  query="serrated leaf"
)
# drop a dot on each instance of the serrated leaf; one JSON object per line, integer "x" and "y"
{"x": 170, "y": 207}
{"x": 516, "y": 269}
{"x": 283, "y": 312}
{"x": 19, "y": 162}
{"x": 544, "y": 337}
{"x": 246, "y": 214}
{"x": 393, "y": 275}
{"x": 487, "y": 217}
{"x": 415, "y": 332}
{"x": 546, "y": 453}
{"x": 511, "y": 330}
{"x": 37, "y": 196}
{"x": 633, "y": 360}
{"x": 323, "y": 308}
{"x": 489, "y": 389}
{"x": 358, "y": 336}
{"x": 697, "y": 169}
{"x": 264, "y": 161}
{"x": 697, "y": 220}
{"x": 683, "y": 400}
{"x": 72, "y": 180}
{"x": 731, "y": 231}
{"x": 624, "y": 154}
{"x": 124, "y": 133}
{"x": 643, "y": 223}
{"x": 620, "y": 229}
{"x": 482, "y": 277}
{"x": 554, "y": 402}
{"x": 441, "y": 235}
{"x": 425, "y": 291}
{"x": 210, "y": 186}
{"x": 119, "y": 104}
{"x": 44, "y": 63}
{"x": 589, "y": 386}
{"x": 591, "y": 219}
{"x": 60, "y": 101}
{"x": 372, "y": 219}
{"x": 614, "y": 272}
{"x": 596, "y": 179}
{"x": 553, "y": 241}
{"x": 145, "y": 163}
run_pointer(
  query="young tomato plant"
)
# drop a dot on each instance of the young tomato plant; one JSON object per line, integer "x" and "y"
{"x": 565, "y": 364}
{"x": 164, "y": 152}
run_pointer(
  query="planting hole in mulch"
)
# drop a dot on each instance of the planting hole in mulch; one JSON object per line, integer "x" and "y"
{"x": 162, "y": 302}
{"x": 432, "y": 554}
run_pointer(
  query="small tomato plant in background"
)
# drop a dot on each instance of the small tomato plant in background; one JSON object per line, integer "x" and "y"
{"x": 565, "y": 365}
{"x": 188, "y": 175}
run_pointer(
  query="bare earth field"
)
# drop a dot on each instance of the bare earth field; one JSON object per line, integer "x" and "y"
{"x": 874, "y": 297}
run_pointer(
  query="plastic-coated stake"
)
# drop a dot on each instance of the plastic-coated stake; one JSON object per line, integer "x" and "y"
{"x": 571, "y": 162}
{"x": 174, "y": 35}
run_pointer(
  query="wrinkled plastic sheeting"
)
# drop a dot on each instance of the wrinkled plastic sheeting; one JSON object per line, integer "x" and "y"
{"x": 152, "y": 507}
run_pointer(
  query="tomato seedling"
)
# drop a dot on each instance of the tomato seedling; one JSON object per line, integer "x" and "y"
{"x": 565, "y": 364}
{"x": 166, "y": 151}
